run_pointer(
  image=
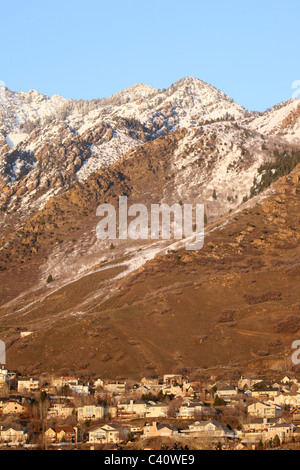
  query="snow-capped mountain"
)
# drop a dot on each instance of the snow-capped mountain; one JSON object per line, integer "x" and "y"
{"x": 283, "y": 121}
{"x": 48, "y": 144}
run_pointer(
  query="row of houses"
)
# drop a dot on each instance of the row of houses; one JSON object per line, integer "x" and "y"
{"x": 117, "y": 404}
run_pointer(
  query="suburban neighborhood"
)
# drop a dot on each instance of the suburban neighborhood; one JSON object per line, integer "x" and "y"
{"x": 154, "y": 413}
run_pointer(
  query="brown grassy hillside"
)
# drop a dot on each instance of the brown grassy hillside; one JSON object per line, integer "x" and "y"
{"x": 234, "y": 303}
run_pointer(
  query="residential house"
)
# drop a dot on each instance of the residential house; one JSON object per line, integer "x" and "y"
{"x": 107, "y": 434}
{"x": 283, "y": 430}
{"x": 226, "y": 391}
{"x": 289, "y": 380}
{"x": 173, "y": 379}
{"x": 156, "y": 410}
{"x": 247, "y": 382}
{"x": 90, "y": 412}
{"x": 191, "y": 409}
{"x": 73, "y": 383}
{"x": 115, "y": 387}
{"x": 132, "y": 409}
{"x": 14, "y": 435}
{"x": 50, "y": 435}
{"x": 210, "y": 428}
{"x": 9, "y": 407}
{"x": 265, "y": 393}
{"x": 264, "y": 410}
{"x": 60, "y": 410}
{"x": 286, "y": 399}
{"x": 28, "y": 385}
{"x": 159, "y": 430}
{"x": 66, "y": 433}
{"x": 261, "y": 424}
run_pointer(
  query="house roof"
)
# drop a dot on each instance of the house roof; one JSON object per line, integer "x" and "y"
{"x": 14, "y": 428}
{"x": 65, "y": 428}
{"x": 168, "y": 426}
{"x": 211, "y": 421}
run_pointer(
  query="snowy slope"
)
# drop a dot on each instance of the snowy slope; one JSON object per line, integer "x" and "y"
{"x": 283, "y": 120}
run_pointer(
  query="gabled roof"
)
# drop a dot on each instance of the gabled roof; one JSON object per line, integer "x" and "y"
{"x": 16, "y": 427}
{"x": 66, "y": 428}
{"x": 168, "y": 426}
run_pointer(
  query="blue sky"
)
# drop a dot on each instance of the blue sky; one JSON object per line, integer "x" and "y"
{"x": 91, "y": 49}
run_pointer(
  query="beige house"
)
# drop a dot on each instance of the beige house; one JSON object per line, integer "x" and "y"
{"x": 90, "y": 412}
{"x": 265, "y": 393}
{"x": 261, "y": 424}
{"x": 28, "y": 385}
{"x": 50, "y": 435}
{"x": 226, "y": 391}
{"x": 284, "y": 431}
{"x": 11, "y": 407}
{"x": 107, "y": 434}
{"x": 264, "y": 410}
{"x": 115, "y": 387}
{"x": 13, "y": 435}
{"x": 211, "y": 428}
{"x": 287, "y": 399}
{"x": 159, "y": 430}
{"x": 132, "y": 409}
{"x": 156, "y": 410}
